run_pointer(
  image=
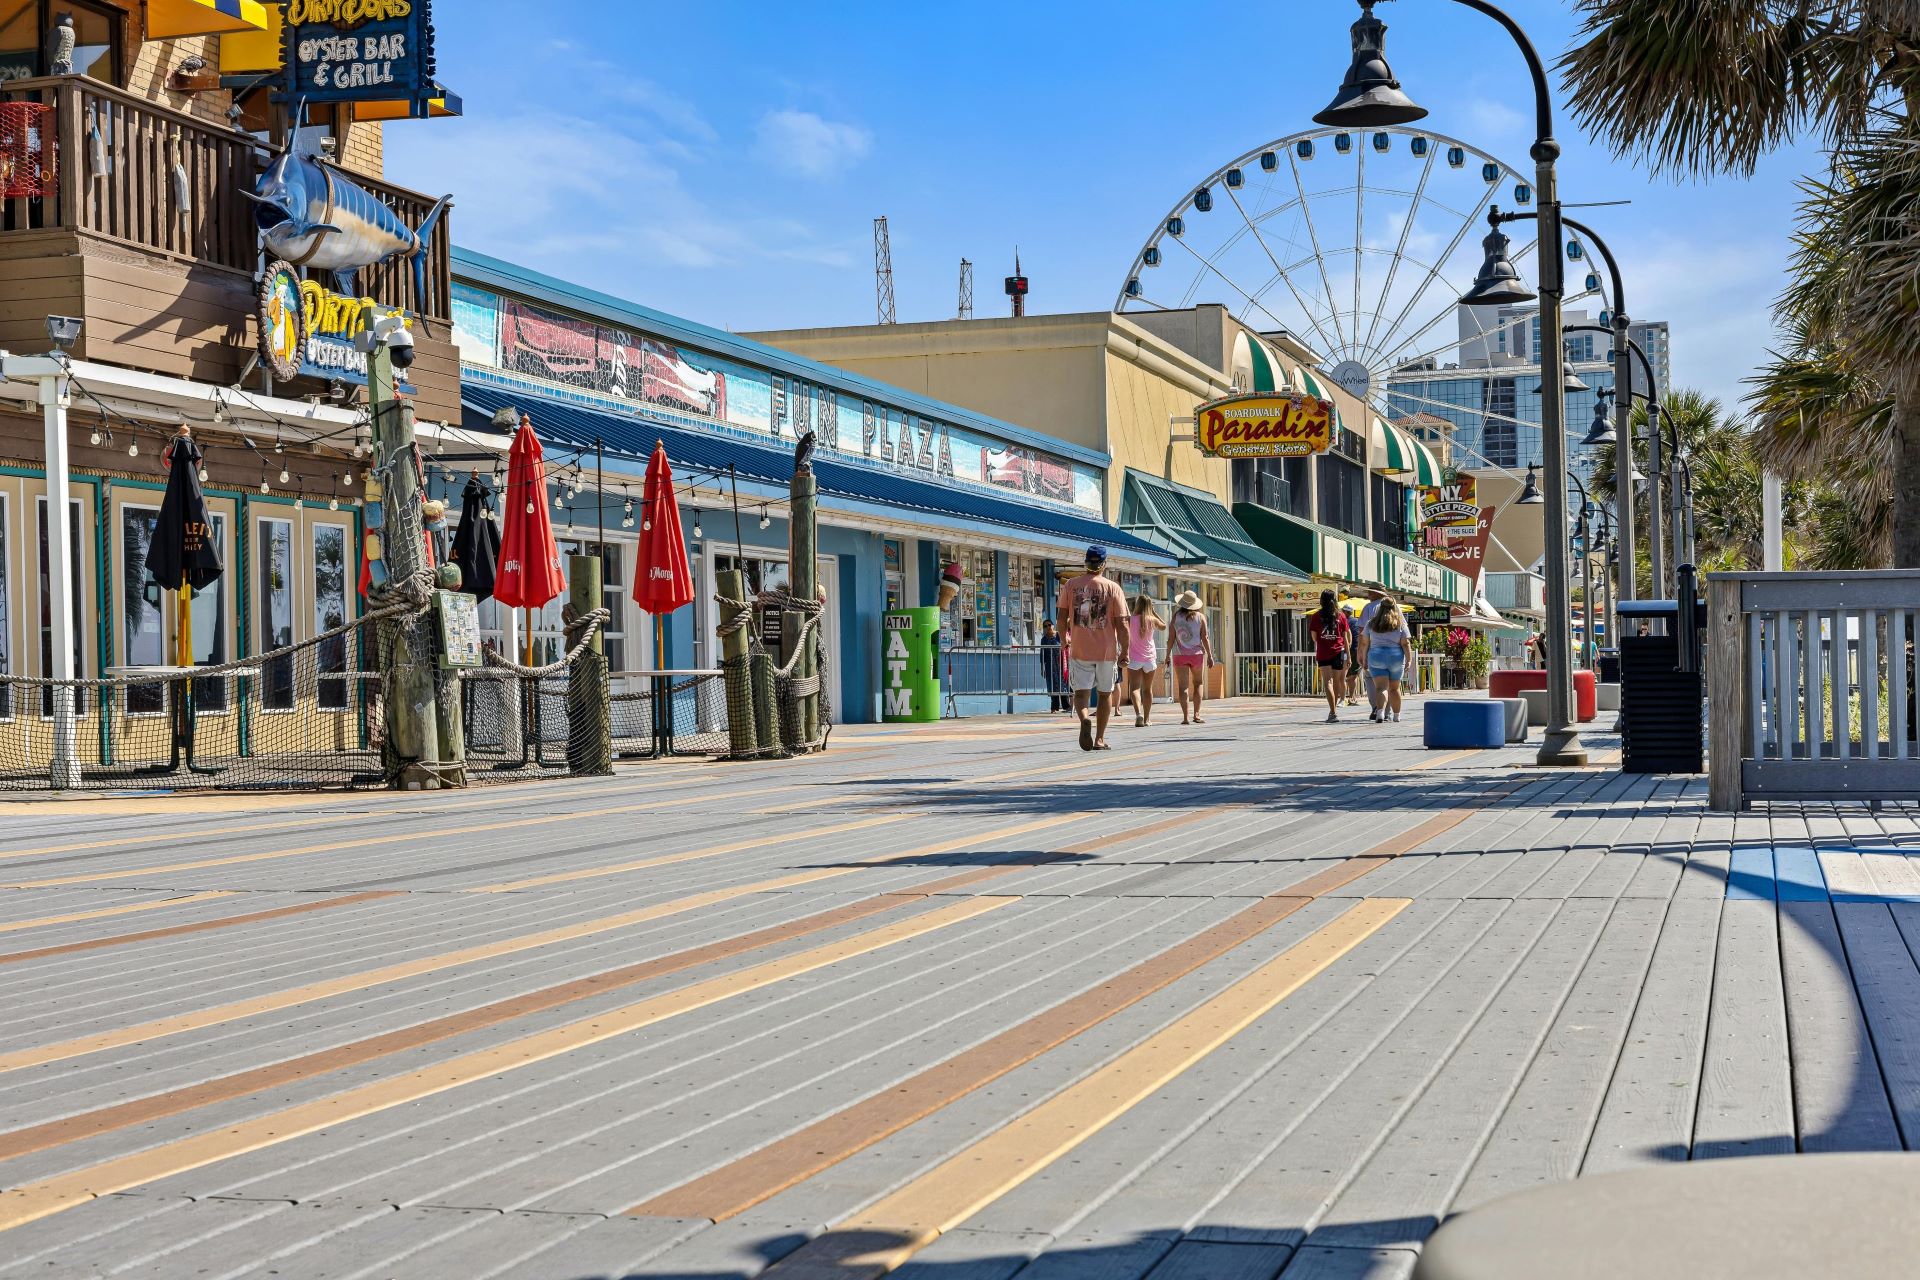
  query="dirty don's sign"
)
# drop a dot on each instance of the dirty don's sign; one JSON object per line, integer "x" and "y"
{"x": 1264, "y": 426}
{"x": 360, "y": 50}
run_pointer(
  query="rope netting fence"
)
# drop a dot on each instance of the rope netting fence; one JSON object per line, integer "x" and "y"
{"x": 313, "y": 715}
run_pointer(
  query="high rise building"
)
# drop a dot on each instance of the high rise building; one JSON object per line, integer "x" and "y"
{"x": 1491, "y": 397}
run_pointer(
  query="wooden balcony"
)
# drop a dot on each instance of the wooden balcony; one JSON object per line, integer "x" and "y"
{"x": 165, "y": 285}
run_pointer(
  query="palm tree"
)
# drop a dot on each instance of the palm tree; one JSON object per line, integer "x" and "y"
{"x": 1694, "y": 89}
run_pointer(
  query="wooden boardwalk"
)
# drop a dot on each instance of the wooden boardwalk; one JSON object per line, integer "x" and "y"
{"x": 1260, "y": 998}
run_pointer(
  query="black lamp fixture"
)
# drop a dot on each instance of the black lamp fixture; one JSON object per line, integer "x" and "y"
{"x": 1602, "y": 429}
{"x": 1530, "y": 495}
{"x": 1499, "y": 282}
{"x": 1369, "y": 98}
{"x": 1569, "y": 380}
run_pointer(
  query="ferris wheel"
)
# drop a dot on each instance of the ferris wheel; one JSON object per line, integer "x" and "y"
{"x": 1358, "y": 244}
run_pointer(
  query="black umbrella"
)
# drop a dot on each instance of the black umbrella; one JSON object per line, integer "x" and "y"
{"x": 183, "y": 555}
{"x": 476, "y": 546}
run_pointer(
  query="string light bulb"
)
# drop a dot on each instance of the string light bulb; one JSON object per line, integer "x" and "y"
{"x": 95, "y": 437}
{"x": 203, "y": 473}
{"x": 333, "y": 504}
{"x": 284, "y": 475}
{"x": 263, "y": 484}
{"x": 133, "y": 448}
{"x": 529, "y": 506}
{"x": 696, "y": 526}
{"x": 765, "y": 519}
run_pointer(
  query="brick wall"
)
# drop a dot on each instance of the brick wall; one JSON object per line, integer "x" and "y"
{"x": 362, "y": 150}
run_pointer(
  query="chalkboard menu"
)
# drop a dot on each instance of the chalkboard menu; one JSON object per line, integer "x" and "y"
{"x": 459, "y": 615}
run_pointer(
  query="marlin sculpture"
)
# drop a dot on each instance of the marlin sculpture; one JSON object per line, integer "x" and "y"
{"x": 313, "y": 215}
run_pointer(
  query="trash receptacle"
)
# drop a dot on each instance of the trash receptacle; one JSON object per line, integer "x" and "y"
{"x": 1662, "y": 690}
{"x": 910, "y": 665}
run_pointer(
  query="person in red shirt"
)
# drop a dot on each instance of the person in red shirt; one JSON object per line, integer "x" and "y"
{"x": 1094, "y": 612}
{"x": 1332, "y": 644}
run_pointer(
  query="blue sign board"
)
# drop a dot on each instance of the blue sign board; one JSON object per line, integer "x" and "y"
{"x": 361, "y": 51}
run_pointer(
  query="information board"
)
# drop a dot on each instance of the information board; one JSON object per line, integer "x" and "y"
{"x": 459, "y": 615}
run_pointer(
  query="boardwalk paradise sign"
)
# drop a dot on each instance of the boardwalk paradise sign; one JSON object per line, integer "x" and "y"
{"x": 1264, "y": 426}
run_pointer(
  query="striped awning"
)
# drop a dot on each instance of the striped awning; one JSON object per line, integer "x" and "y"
{"x": 167, "y": 19}
{"x": 1318, "y": 392}
{"x": 1398, "y": 452}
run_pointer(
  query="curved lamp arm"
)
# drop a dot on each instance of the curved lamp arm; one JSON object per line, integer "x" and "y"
{"x": 1544, "y": 147}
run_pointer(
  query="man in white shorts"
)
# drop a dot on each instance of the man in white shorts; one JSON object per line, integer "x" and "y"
{"x": 1093, "y": 611}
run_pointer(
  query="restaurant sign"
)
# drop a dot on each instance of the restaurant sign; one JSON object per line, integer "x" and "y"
{"x": 1451, "y": 506}
{"x": 360, "y": 51}
{"x": 1264, "y": 426}
{"x": 1465, "y": 553}
{"x": 307, "y": 330}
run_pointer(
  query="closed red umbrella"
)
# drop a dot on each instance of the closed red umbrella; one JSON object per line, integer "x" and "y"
{"x": 662, "y": 581}
{"x": 529, "y": 574}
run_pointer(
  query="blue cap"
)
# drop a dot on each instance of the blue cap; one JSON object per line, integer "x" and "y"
{"x": 1096, "y": 554}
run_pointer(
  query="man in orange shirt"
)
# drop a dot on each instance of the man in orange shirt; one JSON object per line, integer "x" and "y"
{"x": 1093, "y": 611}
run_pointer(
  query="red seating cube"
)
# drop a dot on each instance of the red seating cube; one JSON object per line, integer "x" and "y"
{"x": 1586, "y": 695}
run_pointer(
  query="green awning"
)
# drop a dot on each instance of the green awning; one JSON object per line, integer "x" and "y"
{"x": 1196, "y": 528}
{"x": 1335, "y": 555}
{"x": 1263, "y": 379}
{"x": 1402, "y": 453}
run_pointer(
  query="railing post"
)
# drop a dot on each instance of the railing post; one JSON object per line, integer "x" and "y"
{"x": 1727, "y": 728}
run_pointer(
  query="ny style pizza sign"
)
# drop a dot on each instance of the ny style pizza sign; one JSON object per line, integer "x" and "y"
{"x": 1264, "y": 426}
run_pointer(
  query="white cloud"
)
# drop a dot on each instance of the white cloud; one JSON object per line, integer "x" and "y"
{"x": 585, "y": 195}
{"x": 1491, "y": 118}
{"x": 803, "y": 145}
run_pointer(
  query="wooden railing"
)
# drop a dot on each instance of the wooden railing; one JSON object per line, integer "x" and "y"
{"x": 1811, "y": 686}
{"x": 157, "y": 179}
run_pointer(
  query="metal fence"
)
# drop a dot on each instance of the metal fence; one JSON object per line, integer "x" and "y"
{"x": 1000, "y": 673}
{"x": 1297, "y": 675}
{"x": 1811, "y": 686}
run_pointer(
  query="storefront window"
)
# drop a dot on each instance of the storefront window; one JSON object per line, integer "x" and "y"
{"x": 143, "y": 640}
{"x": 210, "y": 628}
{"x": 896, "y": 573}
{"x": 275, "y": 559}
{"x": 79, "y": 611}
{"x": 972, "y": 622}
{"x": 1027, "y": 604}
{"x": 549, "y": 632}
{"x": 330, "y": 568}
{"x": 6, "y": 613}
{"x": 26, "y": 45}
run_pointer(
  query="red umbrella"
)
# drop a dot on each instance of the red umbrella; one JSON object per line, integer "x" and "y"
{"x": 662, "y": 582}
{"x": 529, "y": 573}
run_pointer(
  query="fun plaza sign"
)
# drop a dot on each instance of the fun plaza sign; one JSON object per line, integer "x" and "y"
{"x": 1264, "y": 425}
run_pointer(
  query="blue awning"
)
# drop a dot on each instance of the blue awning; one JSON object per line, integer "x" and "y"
{"x": 630, "y": 436}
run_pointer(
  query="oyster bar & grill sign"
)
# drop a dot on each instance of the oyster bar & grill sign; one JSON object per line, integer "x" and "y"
{"x": 357, "y": 50}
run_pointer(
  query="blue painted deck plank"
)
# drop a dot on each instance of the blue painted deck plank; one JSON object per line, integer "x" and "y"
{"x": 1750, "y": 875}
{"x": 1797, "y": 873}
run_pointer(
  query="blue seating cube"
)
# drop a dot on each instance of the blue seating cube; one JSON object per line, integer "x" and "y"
{"x": 1465, "y": 722}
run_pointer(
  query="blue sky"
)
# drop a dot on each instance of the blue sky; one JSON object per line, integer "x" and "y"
{"x": 724, "y": 161}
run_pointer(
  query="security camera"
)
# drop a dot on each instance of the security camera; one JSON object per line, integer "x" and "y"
{"x": 64, "y": 331}
{"x": 401, "y": 344}
{"x": 388, "y": 331}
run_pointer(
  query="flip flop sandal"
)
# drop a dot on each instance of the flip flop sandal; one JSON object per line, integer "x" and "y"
{"x": 1086, "y": 735}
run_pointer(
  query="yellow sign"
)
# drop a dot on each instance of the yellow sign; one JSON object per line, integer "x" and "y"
{"x": 1450, "y": 506}
{"x": 1264, "y": 426}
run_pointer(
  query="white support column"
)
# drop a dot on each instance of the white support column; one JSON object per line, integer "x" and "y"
{"x": 1773, "y": 552}
{"x": 64, "y": 769}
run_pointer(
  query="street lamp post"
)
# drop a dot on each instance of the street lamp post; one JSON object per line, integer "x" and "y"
{"x": 1370, "y": 97}
{"x": 1624, "y": 349}
{"x": 53, "y": 372}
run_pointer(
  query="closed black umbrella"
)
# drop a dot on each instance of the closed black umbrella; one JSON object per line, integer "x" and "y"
{"x": 183, "y": 555}
{"x": 476, "y": 545}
